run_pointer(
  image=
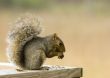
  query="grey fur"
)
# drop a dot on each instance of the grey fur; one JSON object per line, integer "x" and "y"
{"x": 26, "y": 49}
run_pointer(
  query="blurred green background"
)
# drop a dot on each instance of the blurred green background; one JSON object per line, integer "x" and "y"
{"x": 83, "y": 25}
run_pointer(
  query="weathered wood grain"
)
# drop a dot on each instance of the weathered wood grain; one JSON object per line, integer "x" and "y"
{"x": 60, "y": 72}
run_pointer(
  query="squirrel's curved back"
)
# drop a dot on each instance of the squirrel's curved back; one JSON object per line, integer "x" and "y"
{"x": 22, "y": 30}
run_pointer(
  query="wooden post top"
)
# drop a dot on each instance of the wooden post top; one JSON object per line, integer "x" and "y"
{"x": 8, "y": 71}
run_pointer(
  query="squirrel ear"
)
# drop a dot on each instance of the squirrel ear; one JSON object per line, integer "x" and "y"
{"x": 54, "y": 36}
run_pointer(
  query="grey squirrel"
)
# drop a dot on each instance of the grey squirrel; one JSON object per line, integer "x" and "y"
{"x": 26, "y": 49}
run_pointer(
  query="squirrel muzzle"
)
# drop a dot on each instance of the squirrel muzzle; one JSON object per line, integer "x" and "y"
{"x": 60, "y": 55}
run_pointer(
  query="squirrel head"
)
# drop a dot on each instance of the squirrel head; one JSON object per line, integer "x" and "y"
{"x": 57, "y": 47}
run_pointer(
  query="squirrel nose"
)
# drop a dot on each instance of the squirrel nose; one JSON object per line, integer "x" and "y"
{"x": 64, "y": 49}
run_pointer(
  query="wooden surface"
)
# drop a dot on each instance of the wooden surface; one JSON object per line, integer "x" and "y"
{"x": 8, "y": 71}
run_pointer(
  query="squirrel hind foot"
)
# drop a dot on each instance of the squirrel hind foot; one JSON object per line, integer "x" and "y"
{"x": 19, "y": 70}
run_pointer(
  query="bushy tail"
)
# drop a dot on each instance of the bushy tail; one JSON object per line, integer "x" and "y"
{"x": 22, "y": 31}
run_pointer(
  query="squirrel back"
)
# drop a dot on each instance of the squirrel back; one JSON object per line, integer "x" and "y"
{"x": 23, "y": 30}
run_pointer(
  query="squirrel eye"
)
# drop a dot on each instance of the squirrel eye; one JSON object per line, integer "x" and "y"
{"x": 60, "y": 44}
